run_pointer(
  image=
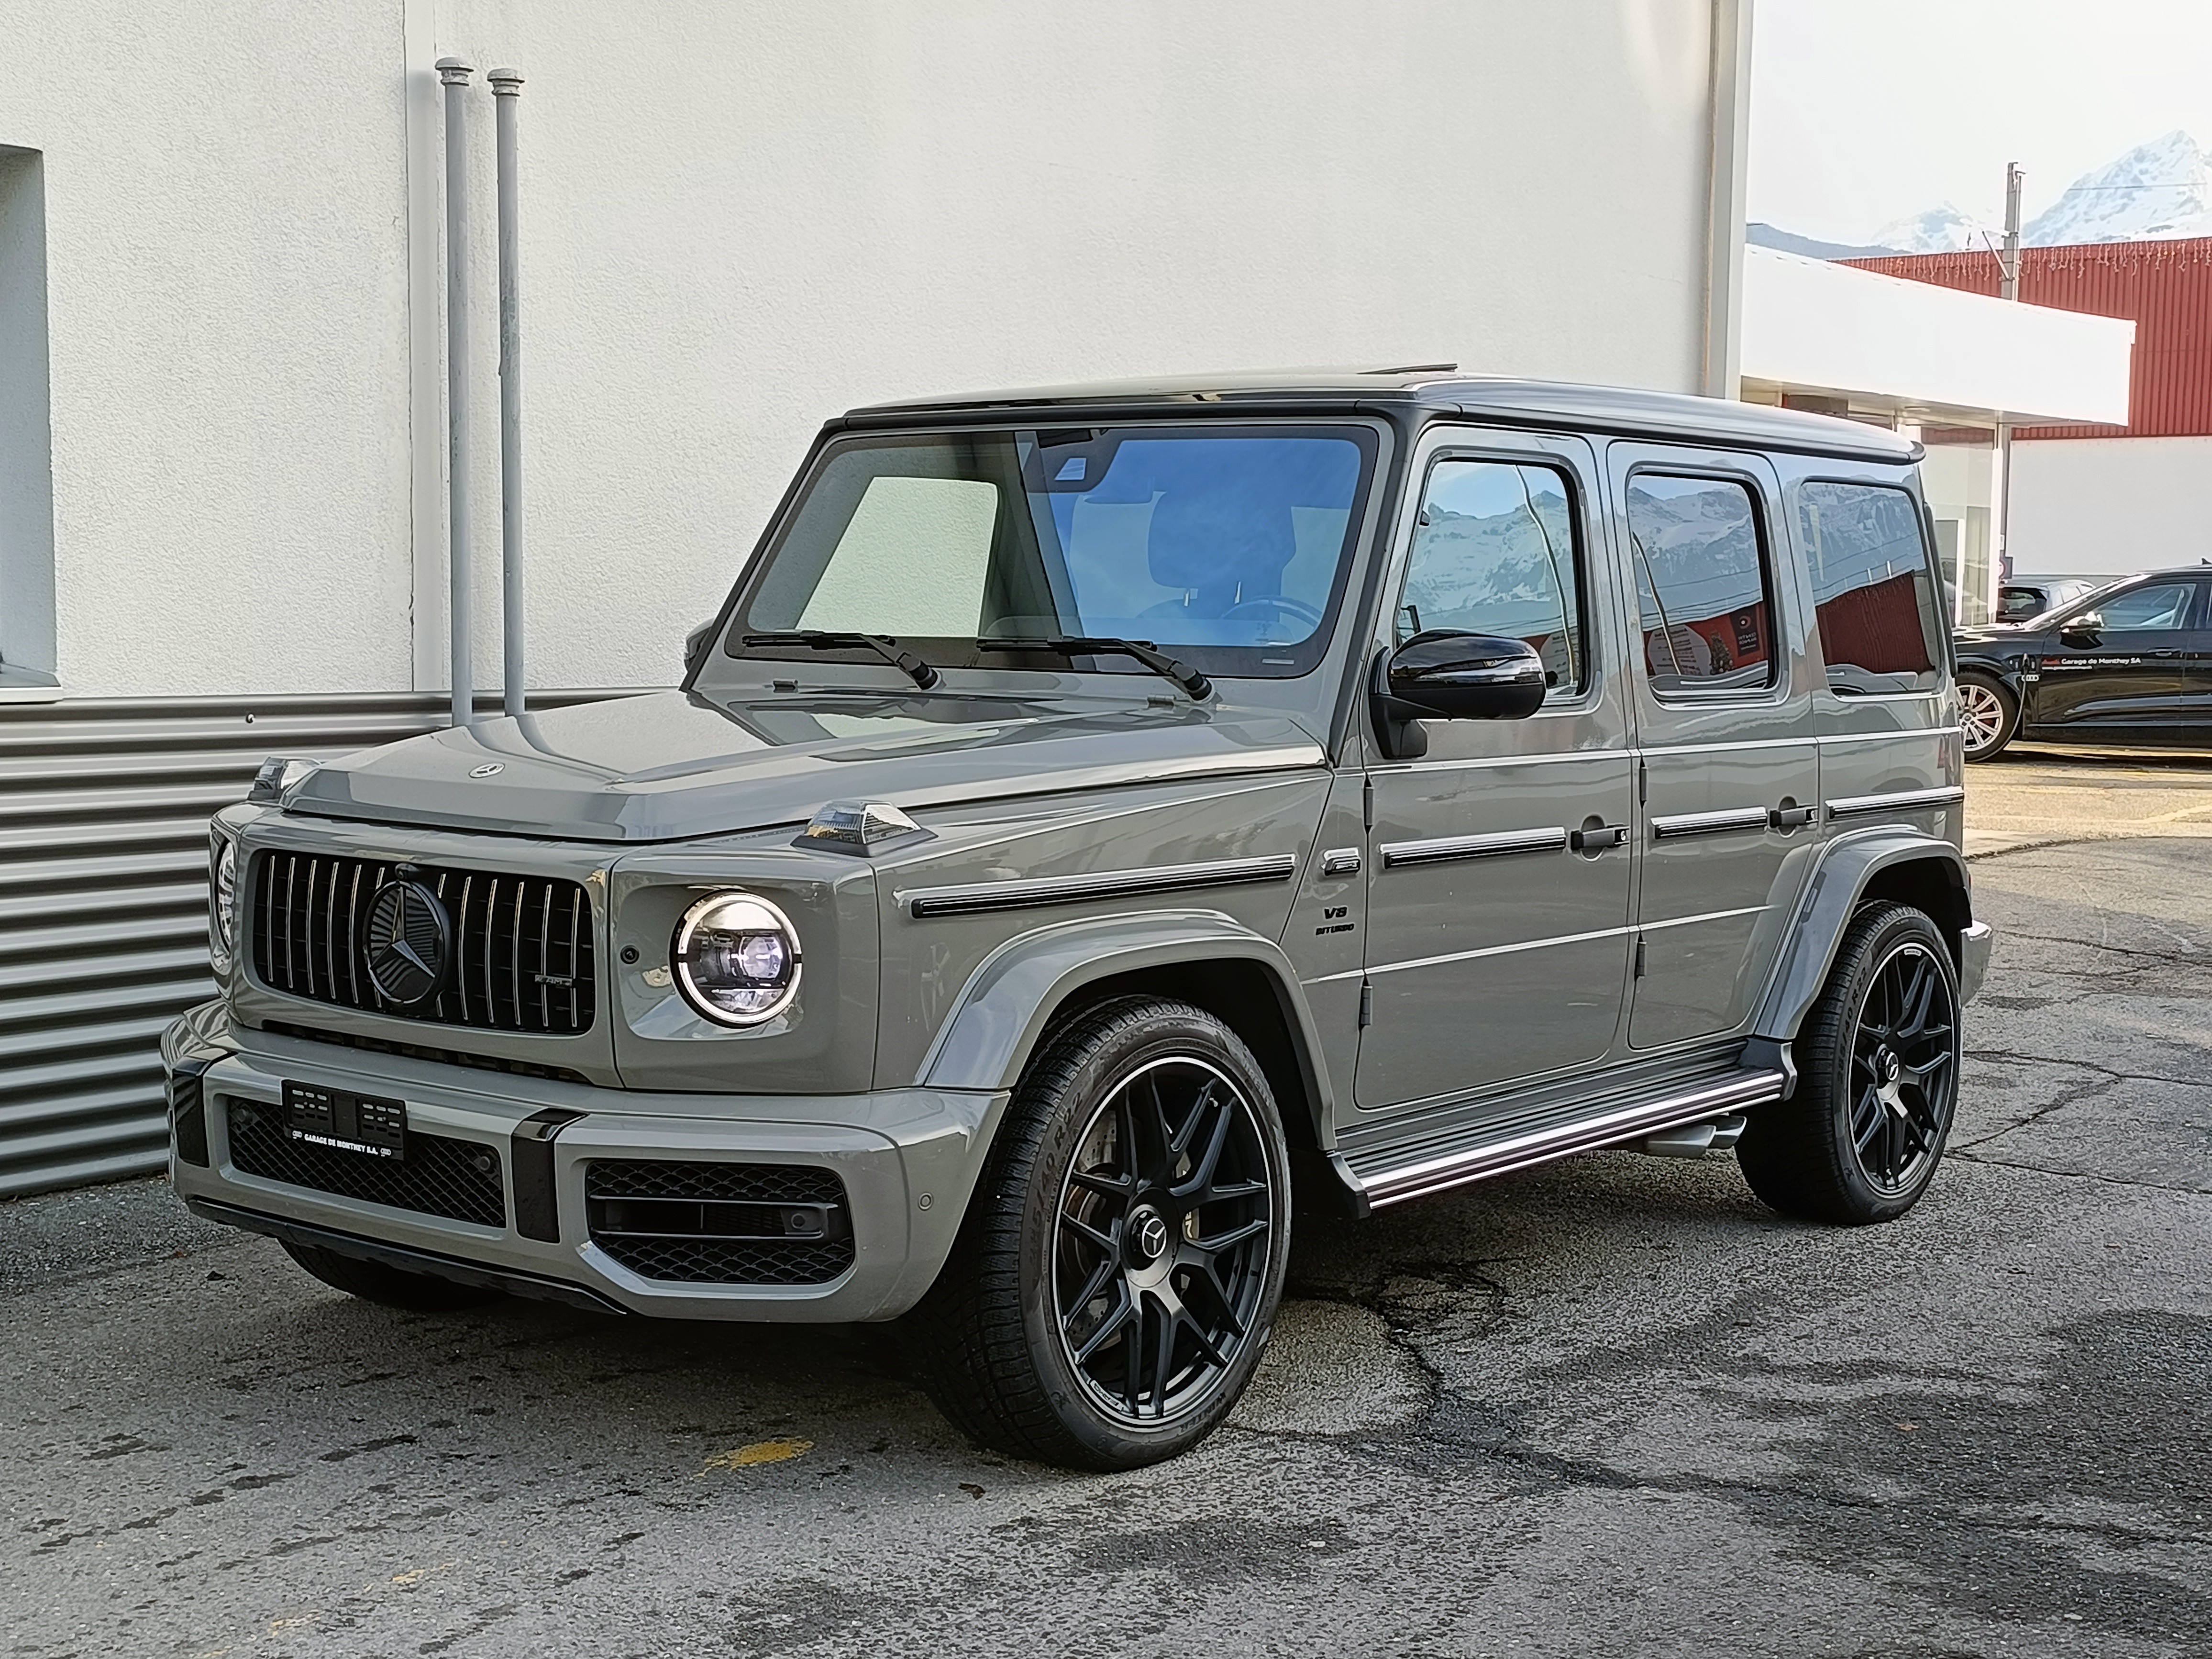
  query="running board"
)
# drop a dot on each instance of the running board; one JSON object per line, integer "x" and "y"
{"x": 1735, "y": 1092}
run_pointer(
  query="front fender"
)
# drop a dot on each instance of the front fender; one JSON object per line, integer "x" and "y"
{"x": 1001, "y": 1013}
{"x": 1847, "y": 864}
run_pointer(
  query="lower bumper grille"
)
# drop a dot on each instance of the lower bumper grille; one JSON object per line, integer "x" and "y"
{"x": 459, "y": 1179}
{"x": 720, "y": 1223}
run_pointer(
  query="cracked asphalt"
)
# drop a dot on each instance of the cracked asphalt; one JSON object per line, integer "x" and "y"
{"x": 1609, "y": 1406}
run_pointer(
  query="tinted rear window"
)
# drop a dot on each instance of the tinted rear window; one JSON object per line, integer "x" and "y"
{"x": 1872, "y": 589}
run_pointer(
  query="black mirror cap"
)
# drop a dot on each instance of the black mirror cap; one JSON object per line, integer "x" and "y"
{"x": 1454, "y": 675}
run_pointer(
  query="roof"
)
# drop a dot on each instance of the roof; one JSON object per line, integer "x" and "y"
{"x": 1542, "y": 403}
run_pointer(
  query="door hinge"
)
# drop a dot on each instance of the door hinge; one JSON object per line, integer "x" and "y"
{"x": 1639, "y": 959}
{"x": 1366, "y": 1004}
{"x": 1643, "y": 782}
{"x": 1367, "y": 803}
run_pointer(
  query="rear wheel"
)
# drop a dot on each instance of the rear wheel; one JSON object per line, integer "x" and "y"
{"x": 1990, "y": 714}
{"x": 1117, "y": 1276}
{"x": 394, "y": 1287}
{"x": 1878, "y": 1082}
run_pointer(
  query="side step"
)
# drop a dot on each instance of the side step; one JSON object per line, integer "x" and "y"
{"x": 1726, "y": 1097}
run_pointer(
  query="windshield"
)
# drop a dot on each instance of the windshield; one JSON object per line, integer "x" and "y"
{"x": 1226, "y": 546}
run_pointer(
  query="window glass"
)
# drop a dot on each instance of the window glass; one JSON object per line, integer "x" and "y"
{"x": 2166, "y": 605}
{"x": 1873, "y": 592}
{"x": 1701, "y": 584}
{"x": 1495, "y": 552}
{"x": 1225, "y": 546}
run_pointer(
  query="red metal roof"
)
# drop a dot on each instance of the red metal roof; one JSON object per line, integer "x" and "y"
{"x": 2166, "y": 287}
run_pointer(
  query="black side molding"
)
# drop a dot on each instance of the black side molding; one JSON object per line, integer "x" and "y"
{"x": 537, "y": 1207}
{"x": 401, "y": 1256}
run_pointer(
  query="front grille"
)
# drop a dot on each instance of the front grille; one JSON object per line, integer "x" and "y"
{"x": 720, "y": 1223}
{"x": 520, "y": 957}
{"x": 457, "y": 1179}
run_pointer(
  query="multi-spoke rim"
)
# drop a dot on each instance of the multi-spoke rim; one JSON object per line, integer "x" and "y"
{"x": 1904, "y": 1068}
{"x": 1981, "y": 711}
{"x": 1165, "y": 1238}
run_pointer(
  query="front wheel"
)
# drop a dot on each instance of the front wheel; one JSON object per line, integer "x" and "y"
{"x": 1990, "y": 714}
{"x": 1860, "y": 1140}
{"x": 1116, "y": 1278}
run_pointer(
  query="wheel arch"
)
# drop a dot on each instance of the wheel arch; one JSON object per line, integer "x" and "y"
{"x": 1894, "y": 863}
{"x": 1203, "y": 958}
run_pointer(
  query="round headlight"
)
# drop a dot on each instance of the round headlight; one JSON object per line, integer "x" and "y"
{"x": 737, "y": 958}
{"x": 225, "y": 893}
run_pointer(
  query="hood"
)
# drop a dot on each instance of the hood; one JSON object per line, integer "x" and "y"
{"x": 676, "y": 765}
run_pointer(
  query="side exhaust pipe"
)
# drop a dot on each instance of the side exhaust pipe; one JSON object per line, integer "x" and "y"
{"x": 1695, "y": 1139}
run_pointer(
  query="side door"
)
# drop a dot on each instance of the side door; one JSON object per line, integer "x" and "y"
{"x": 1727, "y": 759}
{"x": 2134, "y": 670}
{"x": 1499, "y": 864}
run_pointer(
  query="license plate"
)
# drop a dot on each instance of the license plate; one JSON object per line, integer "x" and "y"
{"x": 349, "y": 1122}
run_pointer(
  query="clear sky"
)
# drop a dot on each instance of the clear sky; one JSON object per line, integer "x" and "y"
{"x": 1863, "y": 111}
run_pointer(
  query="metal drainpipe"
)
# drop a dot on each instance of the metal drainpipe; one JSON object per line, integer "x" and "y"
{"x": 461, "y": 616}
{"x": 506, "y": 93}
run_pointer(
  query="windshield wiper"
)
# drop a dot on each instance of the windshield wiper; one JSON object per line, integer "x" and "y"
{"x": 882, "y": 644}
{"x": 1085, "y": 645}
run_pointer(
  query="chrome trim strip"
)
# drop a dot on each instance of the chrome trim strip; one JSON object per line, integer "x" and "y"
{"x": 1103, "y": 884}
{"x": 1904, "y": 801}
{"x": 1494, "y": 951}
{"x": 1446, "y": 848}
{"x": 1708, "y": 823}
{"x": 1707, "y": 915}
{"x": 1458, "y": 1168}
{"x": 1482, "y": 763}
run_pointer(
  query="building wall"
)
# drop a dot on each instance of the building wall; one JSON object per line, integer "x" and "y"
{"x": 2110, "y": 505}
{"x": 739, "y": 218}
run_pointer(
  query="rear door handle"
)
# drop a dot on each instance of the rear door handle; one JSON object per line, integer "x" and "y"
{"x": 1597, "y": 839}
{"x": 1790, "y": 817}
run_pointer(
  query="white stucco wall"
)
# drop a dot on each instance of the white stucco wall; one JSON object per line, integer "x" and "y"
{"x": 739, "y": 218}
{"x": 2110, "y": 505}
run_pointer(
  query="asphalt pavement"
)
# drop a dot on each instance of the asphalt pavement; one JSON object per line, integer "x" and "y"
{"x": 1610, "y": 1406}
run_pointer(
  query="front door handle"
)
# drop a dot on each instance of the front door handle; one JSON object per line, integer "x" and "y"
{"x": 1598, "y": 839}
{"x": 1790, "y": 817}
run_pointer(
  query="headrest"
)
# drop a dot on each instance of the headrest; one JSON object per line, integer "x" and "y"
{"x": 1219, "y": 540}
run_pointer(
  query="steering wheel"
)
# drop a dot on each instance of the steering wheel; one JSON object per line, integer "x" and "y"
{"x": 1281, "y": 605}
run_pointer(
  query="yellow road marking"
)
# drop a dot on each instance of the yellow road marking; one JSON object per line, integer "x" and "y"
{"x": 761, "y": 1451}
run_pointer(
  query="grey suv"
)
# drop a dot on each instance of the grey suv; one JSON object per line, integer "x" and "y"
{"x": 1095, "y": 816}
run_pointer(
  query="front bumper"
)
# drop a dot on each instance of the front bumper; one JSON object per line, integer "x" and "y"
{"x": 1974, "y": 958}
{"x": 907, "y": 1160}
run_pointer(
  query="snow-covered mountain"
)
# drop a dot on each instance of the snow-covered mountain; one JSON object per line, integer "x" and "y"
{"x": 2156, "y": 192}
{"x": 1944, "y": 229}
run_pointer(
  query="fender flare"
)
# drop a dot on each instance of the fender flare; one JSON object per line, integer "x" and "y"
{"x": 1846, "y": 865}
{"x": 999, "y": 1015}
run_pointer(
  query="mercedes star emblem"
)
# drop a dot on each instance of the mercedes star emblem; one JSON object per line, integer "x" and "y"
{"x": 405, "y": 937}
{"x": 490, "y": 769}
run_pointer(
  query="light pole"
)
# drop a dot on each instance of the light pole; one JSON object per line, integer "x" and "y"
{"x": 2007, "y": 288}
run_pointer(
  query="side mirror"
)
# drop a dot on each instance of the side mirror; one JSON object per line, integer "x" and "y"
{"x": 696, "y": 644}
{"x": 2084, "y": 628}
{"x": 1444, "y": 674}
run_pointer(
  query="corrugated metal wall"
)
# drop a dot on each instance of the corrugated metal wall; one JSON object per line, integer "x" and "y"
{"x": 104, "y": 805}
{"x": 2164, "y": 287}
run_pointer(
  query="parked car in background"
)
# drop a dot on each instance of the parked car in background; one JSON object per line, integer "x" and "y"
{"x": 2130, "y": 663}
{"x": 1090, "y": 808}
{"x": 2033, "y": 596}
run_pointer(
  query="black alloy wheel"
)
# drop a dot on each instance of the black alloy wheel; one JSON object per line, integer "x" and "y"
{"x": 1116, "y": 1275}
{"x": 1988, "y": 714}
{"x": 1878, "y": 1084}
{"x": 1165, "y": 1217}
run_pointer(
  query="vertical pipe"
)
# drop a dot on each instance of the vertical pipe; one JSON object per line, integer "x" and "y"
{"x": 461, "y": 615}
{"x": 2007, "y": 288}
{"x": 506, "y": 93}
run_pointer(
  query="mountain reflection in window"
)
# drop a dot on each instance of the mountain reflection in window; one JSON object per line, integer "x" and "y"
{"x": 1701, "y": 587}
{"x": 1495, "y": 552}
{"x": 1873, "y": 590}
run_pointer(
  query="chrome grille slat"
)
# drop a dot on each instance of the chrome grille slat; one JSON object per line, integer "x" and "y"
{"x": 308, "y": 909}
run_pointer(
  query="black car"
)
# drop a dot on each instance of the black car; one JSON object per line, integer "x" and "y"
{"x": 2130, "y": 663}
{"x": 2023, "y": 601}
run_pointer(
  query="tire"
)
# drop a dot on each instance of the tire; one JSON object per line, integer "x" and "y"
{"x": 394, "y": 1287}
{"x": 1990, "y": 714}
{"x": 1878, "y": 1081}
{"x": 1115, "y": 1279}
